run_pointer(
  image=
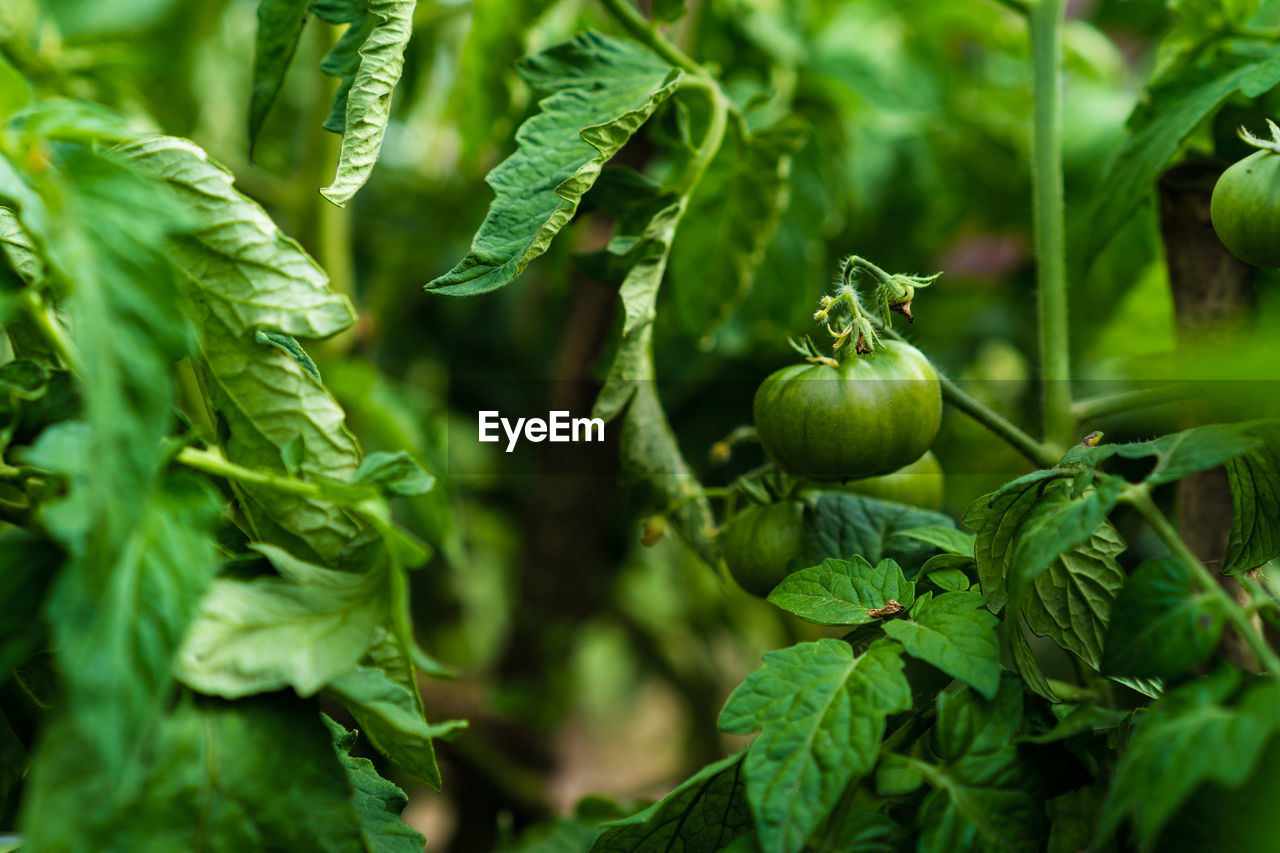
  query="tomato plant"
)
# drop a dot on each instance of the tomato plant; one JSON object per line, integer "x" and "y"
{"x": 268, "y": 584}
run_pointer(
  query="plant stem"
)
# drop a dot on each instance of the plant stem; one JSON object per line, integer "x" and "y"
{"x": 1047, "y": 196}
{"x": 49, "y": 327}
{"x": 717, "y": 124}
{"x": 644, "y": 31}
{"x": 1125, "y": 401}
{"x": 213, "y": 462}
{"x": 1140, "y": 498}
{"x": 1036, "y": 452}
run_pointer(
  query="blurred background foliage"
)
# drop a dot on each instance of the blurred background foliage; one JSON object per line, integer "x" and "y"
{"x": 586, "y": 662}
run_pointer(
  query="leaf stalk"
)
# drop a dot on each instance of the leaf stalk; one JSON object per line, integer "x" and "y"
{"x": 1139, "y": 497}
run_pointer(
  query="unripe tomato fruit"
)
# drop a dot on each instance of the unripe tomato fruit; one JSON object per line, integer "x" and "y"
{"x": 869, "y": 415}
{"x": 758, "y": 542}
{"x": 1245, "y": 209}
{"x": 918, "y": 484}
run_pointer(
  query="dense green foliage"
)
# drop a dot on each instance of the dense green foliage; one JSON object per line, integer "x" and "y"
{"x": 243, "y": 525}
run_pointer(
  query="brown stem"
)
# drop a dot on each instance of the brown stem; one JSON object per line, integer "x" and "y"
{"x": 1209, "y": 286}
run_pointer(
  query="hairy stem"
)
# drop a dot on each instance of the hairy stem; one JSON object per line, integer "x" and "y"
{"x": 1140, "y": 498}
{"x": 1050, "y": 230}
{"x": 213, "y": 462}
{"x": 645, "y": 31}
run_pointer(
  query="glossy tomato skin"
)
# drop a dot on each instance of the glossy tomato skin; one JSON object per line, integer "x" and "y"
{"x": 869, "y": 415}
{"x": 918, "y": 484}
{"x": 1245, "y": 209}
{"x": 758, "y": 542}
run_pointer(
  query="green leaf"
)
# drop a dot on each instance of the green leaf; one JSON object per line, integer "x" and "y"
{"x": 844, "y": 525}
{"x": 822, "y": 713}
{"x": 16, "y": 244}
{"x": 735, "y": 208}
{"x": 1177, "y": 454}
{"x": 1162, "y": 624}
{"x": 391, "y": 717}
{"x": 368, "y": 59}
{"x": 841, "y": 592}
{"x": 301, "y": 630}
{"x": 1024, "y": 660}
{"x": 1205, "y": 731}
{"x": 859, "y": 832}
{"x": 279, "y": 28}
{"x": 117, "y": 618}
{"x": 15, "y": 91}
{"x": 633, "y": 363}
{"x": 117, "y": 615}
{"x": 1059, "y": 524}
{"x": 1156, "y": 132}
{"x": 604, "y": 89}
{"x": 396, "y": 473}
{"x": 1082, "y": 719}
{"x": 236, "y": 262}
{"x": 945, "y": 539}
{"x": 1022, "y": 530}
{"x": 980, "y": 799}
{"x": 955, "y": 633}
{"x": 244, "y": 280}
{"x": 1152, "y": 688}
{"x": 895, "y": 776}
{"x": 377, "y": 802}
{"x": 259, "y": 774}
{"x": 1255, "y": 498}
{"x": 946, "y": 571}
{"x": 1071, "y": 602}
{"x": 108, "y": 234}
{"x": 704, "y": 814}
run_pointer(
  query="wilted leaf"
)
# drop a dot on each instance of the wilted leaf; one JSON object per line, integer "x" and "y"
{"x": 603, "y": 89}
{"x": 368, "y": 59}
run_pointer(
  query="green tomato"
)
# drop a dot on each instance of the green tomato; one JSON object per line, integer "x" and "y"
{"x": 759, "y": 542}
{"x": 1245, "y": 209}
{"x": 869, "y": 415}
{"x": 918, "y": 484}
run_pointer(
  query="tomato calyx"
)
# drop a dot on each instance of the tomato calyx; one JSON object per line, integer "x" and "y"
{"x": 1272, "y": 144}
{"x": 844, "y": 316}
